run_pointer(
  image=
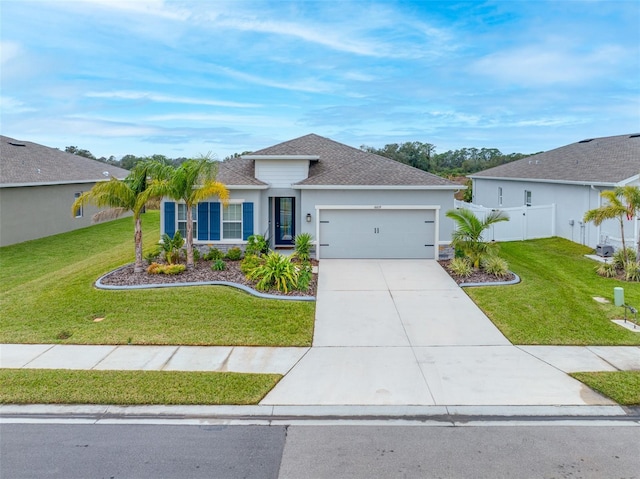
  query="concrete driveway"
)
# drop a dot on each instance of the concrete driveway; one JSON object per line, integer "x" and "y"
{"x": 401, "y": 332}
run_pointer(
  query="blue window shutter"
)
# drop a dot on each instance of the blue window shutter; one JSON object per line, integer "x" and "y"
{"x": 247, "y": 220}
{"x": 203, "y": 221}
{"x": 214, "y": 221}
{"x": 170, "y": 218}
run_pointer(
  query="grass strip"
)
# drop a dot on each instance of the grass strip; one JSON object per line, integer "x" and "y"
{"x": 554, "y": 304}
{"x": 61, "y": 386}
{"x": 47, "y": 296}
{"x": 621, "y": 386}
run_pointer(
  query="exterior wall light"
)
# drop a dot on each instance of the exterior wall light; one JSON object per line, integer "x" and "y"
{"x": 308, "y": 217}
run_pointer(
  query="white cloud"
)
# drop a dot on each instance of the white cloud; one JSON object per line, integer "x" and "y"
{"x": 549, "y": 63}
{"x": 9, "y": 105}
{"x": 159, "y": 98}
{"x": 308, "y": 85}
{"x": 9, "y": 51}
{"x": 156, "y": 8}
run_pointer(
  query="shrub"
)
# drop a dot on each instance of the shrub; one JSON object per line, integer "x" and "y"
{"x": 256, "y": 245}
{"x": 632, "y": 271}
{"x": 305, "y": 274}
{"x": 156, "y": 268}
{"x": 213, "y": 254}
{"x": 234, "y": 254}
{"x": 218, "y": 265}
{"x": 618, "y": 257}
{"x": 608, "y": 270}
{"x": 277, "y": 271}
{"x": 496, "y": 266}
{"x": 461, "y": 267}
{"x": 172, "y": 246}
{"x": 153, "y": 255}
{"x": 303, "y": 242}
{"x": 250, "y": 262}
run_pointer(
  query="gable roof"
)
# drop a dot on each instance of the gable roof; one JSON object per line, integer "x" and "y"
{"x": 23, "y": 163}
{"x": 603, "y": 161}
{"x": 341, "y": 165}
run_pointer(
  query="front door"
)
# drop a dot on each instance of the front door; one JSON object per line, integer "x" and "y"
{"x": 285, "y": 213}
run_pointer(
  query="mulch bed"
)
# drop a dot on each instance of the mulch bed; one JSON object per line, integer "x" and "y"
{"x": 201, "y": 272}
{"x": 478, "y": 276}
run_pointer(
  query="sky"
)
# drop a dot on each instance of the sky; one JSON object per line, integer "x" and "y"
{"x": 197, "y": 77}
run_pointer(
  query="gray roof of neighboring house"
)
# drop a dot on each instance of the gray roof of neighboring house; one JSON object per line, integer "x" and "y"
{"x": 27, "y": 163}
{"x": 608, "y": 161}
{"x": 338, "y": 165}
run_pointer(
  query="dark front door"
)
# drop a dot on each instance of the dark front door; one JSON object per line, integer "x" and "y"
{"x": 285, "y": 220}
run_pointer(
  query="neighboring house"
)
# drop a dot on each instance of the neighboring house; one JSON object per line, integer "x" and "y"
{"x": 355, "y": 204}
{"x": 571, "y": 177}
{"x": 39, "y": 184}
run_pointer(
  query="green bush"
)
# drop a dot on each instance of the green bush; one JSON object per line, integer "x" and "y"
{"x": 156, "y": 268}
{"x": 218, "y": 265}
{"x": 632, "y": 271}
{"x": 234, "y": 254}
{"x": 256, "y": 245}
{"x": 618, "y": 257}
{"x": 496, "y": 266}
{"x": 608, "y": 270}
{"x": 303, "y": 242}
{"x": 461, "y": 267}
{"x": 305, "y": 274}
{"x": 250, "y": 262}
{"x": 153, "y": 255}
{"x": 172, "y": 247}
{"x": 277, "y": 271}
{"x": 213, "y": 254}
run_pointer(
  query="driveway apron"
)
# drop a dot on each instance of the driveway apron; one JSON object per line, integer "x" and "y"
{"x": 402, "y": 332}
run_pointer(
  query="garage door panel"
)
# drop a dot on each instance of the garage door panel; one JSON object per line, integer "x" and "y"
{"x": 377, "y": 233}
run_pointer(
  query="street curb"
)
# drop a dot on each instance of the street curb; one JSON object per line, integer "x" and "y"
{"x": 295, "y": 414}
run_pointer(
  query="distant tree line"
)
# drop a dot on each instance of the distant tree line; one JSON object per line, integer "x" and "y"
{"x": 414, "y": 153}
{"x": 450, "y": 163}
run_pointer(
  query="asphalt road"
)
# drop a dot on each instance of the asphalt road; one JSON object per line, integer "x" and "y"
{"x": 315, "y": 452}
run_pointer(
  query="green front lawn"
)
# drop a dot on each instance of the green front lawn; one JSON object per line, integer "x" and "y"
{"x": 621, "y": 386}
{"x": 554, "y": 302}
{"x": 47, "y": 296}
{"x": 56, "y": 386}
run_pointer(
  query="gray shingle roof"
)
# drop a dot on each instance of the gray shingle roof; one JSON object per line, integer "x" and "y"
{"x": 343, "y": 165}
{"x": 238, "y": 171}
{"x": 608, "y": 160}
{"x": 24, "y": 162}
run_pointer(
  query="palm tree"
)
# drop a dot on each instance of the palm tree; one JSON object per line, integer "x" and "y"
{"x": 631, "y": 195}
{"x": 191, "y": 182}
{"x": 615, "y": 208}
{"x": 468, "y": 234}
{"x": 120, "y": 197}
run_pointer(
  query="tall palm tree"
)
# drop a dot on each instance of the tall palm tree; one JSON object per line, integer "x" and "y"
{"x": 120, "y": 197}
{"x": 468, "y": 234}
{"x": 631, "y": 195}
{"x": 614, "y": 208}
{"x": 191, "y": 182}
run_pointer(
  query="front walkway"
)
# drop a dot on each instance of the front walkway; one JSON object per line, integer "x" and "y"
{"x": 402, "y": 332}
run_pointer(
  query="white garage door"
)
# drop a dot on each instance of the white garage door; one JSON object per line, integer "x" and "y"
{"x": 377, "y": 233}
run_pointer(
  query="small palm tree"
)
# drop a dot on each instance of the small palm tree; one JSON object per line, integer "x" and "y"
{"x": 621, "y": 202}
{"x": 468, "y": 234}
{"x": 191, "y": 182}
{"x": 120, "y": 197}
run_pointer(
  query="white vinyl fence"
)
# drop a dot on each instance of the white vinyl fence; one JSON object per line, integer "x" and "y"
{"x": 525, "y": 222}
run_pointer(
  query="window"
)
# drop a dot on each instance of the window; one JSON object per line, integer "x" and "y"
{"x": 499, "y": 195}
{"x": 182, "y": 220}
{"x": 79, "y": 211}
{"x": 232, "y": 221}
{"x": 527, "y": 198}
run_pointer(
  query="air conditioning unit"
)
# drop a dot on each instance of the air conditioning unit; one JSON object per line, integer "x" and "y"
{"x": 604, "y": 250}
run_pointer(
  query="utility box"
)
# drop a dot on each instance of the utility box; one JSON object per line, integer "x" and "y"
{"x": 618, "y": 296}
{"x": 604, "y": 250}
